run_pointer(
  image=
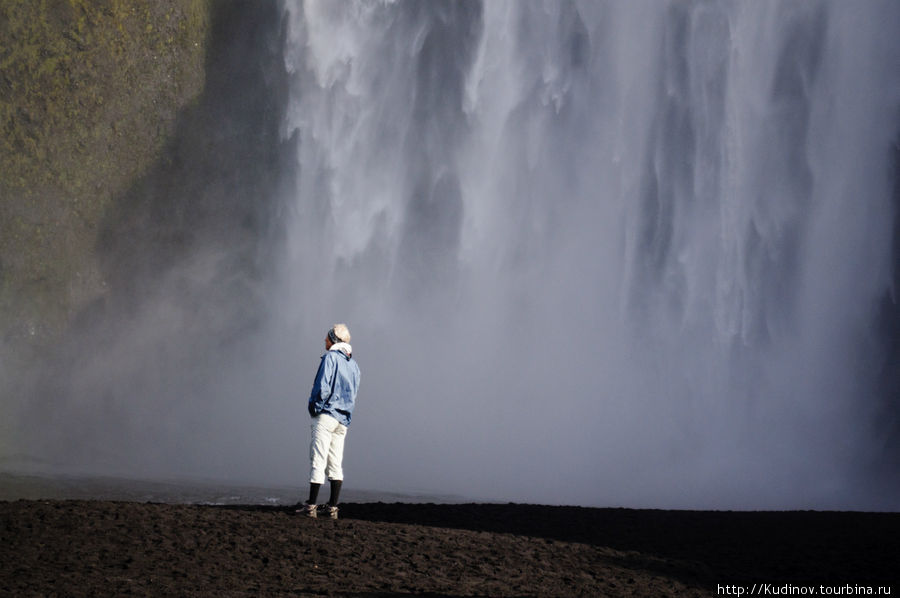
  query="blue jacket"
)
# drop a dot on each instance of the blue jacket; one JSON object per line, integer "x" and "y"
{"x": 334, "y": 391}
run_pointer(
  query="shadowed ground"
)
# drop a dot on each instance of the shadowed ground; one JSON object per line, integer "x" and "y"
{"x": 81, "y": 548}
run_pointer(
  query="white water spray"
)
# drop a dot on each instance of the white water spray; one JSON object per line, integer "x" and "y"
{"x": 599, "y": 253}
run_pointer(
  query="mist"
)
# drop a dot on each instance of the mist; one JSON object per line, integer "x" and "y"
{"x": 610, "y": 254}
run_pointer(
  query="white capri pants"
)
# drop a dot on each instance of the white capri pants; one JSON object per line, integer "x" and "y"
{"x": 326, "y": 450}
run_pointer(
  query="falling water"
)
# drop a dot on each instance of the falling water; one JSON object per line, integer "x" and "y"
{"x": 600, "y": 252}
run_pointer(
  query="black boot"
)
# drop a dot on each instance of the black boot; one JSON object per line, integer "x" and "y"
{"x": 335, "y": 492}
{"x": 313, "y": 493}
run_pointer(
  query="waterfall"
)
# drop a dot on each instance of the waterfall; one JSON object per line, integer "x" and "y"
{"x": 599, "y": 252}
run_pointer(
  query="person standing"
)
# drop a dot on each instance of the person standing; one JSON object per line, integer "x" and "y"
{"x": 330, "y": 405}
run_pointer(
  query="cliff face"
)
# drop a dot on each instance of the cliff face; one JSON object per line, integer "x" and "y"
{"x": 89, "y": 96}
{"x": 140, "y": 167}
{"x": 107, "y": 114}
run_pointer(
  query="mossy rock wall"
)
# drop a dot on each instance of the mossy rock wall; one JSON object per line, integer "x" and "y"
{"x": 144, "y": 183}
{"x": 89, "y": 96}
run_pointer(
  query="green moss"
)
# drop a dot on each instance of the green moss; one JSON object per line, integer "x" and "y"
{"x": 89, "y": 93}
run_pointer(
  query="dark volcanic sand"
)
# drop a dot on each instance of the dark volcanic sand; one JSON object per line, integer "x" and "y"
{"x": 96, "y": 548}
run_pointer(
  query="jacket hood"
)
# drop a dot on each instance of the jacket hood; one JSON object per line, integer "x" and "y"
{"x": 344, "y": 348}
